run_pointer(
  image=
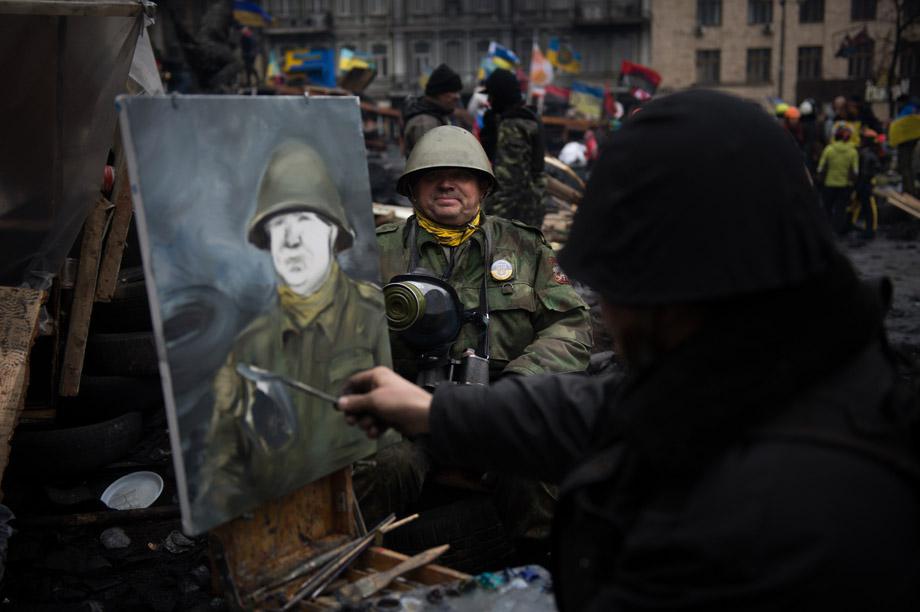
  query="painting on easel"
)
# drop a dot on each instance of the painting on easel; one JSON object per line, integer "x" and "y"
{"x": 259, "y": 251}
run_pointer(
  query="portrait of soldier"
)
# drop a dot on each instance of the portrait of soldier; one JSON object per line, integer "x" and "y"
{"x": 266, "y": 437}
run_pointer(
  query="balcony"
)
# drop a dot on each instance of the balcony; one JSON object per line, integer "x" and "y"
{"x": 606, "y": 13}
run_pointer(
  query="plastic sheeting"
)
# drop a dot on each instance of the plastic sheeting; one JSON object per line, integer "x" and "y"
{"x": 56, "y": 128}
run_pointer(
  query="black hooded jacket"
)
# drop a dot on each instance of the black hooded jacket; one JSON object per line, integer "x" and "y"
{"x": 770, "y": 461}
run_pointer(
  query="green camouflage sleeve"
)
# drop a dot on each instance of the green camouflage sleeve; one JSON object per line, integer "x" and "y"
{"x": 222, "y": 476}
{"x": 562, "y": 326}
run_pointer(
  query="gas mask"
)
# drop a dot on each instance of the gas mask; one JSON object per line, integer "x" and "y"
{"x": 427, "y": 314}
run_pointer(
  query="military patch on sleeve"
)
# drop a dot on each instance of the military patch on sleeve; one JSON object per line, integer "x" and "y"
{"x": 558, "y": 275}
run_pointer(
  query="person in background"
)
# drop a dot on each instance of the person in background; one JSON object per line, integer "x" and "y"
{"x": 837, "y": 171}
{"x": 442, "y": 93}
{"x": 870, "y": 166}
{"x": 512, "y": 136}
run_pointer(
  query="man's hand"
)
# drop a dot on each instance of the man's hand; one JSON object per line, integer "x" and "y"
{"x": 378, "y": 398}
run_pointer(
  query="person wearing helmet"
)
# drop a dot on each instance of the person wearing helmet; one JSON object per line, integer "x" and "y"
{"x": 520, "y": 314}
{"x": 512, "y": 136}
{"x": 442, "y": 94}
{"x": 837, "y": 171}
{"x": 760, "y": 452}
{"x": 265, "y": 440}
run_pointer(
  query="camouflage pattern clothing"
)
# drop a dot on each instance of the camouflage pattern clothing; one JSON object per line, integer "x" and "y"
{"x": 517, "y": 161}
{"x": 419, "y": 116}
{"x": 243, "y": 464}
{"x": 538, "y": 323}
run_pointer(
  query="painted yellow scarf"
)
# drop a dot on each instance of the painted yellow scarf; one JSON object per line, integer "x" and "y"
{"x": 446, "y": 235}
{"x": 303, "y": 309}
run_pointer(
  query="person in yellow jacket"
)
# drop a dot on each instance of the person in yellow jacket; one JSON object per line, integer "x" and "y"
{"x": 837, "y": 171}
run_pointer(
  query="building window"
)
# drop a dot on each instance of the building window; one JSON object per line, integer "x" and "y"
{"x": 381, "y": 58}
{"x": 760, "y": 11}
{"x": 758, "y": 65}
{"x": 559, "y": 5}
{"x": 529, "y": 5}
{"x": 809, "y": 63}
{"x": 709, "y": 12}
{"x": 419, "y": 6}
{"x": 811, "y": 11}
{"x": 481, "y": 6}
{"x": 860, "y": 60}
{"x": 453, "y": 55}
{"x": 377, "y": 7}
{"x": 862, "y": 10}
{"x": 345, "y": 7}
{"x": 422, "y": 53}
{"x": 708, "y": 66}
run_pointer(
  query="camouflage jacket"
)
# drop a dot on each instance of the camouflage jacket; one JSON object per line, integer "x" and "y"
{"x": 419, "y": 116}
{"x": 248, "y": 458}
{"x": 538, "y": 322}
{"x": 518, "y": 165}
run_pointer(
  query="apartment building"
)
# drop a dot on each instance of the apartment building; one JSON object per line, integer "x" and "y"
{"x": 408, "y": 38}
{"x": 789, "y": 49}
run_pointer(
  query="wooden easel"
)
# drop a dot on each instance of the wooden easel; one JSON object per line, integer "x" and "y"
{"x": 255, "y": 551}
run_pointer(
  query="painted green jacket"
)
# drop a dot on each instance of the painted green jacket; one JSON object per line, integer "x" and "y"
{"x": 242, "y": 468}
{"x": 518, "y": 167}
{"x": 538, "y": 322}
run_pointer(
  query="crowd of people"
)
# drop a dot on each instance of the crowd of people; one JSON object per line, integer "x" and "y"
{"x": 846, "y": 149}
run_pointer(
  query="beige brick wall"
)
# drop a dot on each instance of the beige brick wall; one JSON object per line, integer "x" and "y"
{"x": 674, "y": 42}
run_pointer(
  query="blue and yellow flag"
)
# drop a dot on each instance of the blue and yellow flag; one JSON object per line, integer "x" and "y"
{"x": 563, "y": 57}
{"x": 349, "y": 60}
{"x": 251, "y": 14}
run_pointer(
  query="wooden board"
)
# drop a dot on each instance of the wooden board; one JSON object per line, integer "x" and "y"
{"x": 904, "y": 201}
{"x": 19, "y": 311}
{"x": 118, "y": 230}
{"x": 84, "y": 292}
{"x": 254, "y": 551}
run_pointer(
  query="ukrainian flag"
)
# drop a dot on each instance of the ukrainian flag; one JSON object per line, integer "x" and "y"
{"x": 251, "y": 14}
{"x": 563, "y": 57}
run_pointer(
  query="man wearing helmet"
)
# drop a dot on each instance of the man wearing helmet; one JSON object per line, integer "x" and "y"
{"x": 265, "y": 441}
{"x": 522, "y": 314}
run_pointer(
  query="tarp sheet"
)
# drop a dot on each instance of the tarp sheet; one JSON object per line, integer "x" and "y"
{"x": 57, "y": 121}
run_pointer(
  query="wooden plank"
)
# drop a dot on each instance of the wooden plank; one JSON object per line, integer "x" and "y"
{"x": 575, "y": 124}
{"x": 904, "y": 201}
{"x": 381, "y": 559}
{"x": 84, "y": 291}
{"x": 562, "y": 191}
{"x": 118, "y": 230}
{"x": 19, "y": 311}
{"x": 107, "y": 8}
{"x": 282, "y": 534}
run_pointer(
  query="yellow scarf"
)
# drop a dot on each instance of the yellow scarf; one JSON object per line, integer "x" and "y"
{"x": 303, "y": 309}
{"x": 446, "y": 235}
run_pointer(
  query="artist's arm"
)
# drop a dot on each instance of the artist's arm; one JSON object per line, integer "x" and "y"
{"x": 534, "y": 426}
{"x": 562, "y": 325}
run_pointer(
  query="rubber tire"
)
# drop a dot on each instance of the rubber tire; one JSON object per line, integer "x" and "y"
{"x": 129, "y": 311}
{"x": 472, "y": 528}
{"x": 129, "y": 354}
{"x": 58, "y": 452}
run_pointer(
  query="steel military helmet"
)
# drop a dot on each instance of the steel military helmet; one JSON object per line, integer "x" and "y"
{"x": 295, "y": 179}
{"x": 446, "y": 146}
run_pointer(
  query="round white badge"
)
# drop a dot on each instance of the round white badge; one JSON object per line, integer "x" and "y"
{"x": 501, "y": 269}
